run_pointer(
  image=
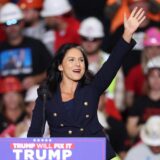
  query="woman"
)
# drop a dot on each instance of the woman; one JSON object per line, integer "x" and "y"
{"x": 71, "y": 109}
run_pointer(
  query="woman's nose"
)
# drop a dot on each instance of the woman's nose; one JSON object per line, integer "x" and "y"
{"x": 78, "y": 63}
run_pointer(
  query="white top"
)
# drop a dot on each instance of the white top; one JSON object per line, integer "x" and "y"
{"x": 141, "y": 152}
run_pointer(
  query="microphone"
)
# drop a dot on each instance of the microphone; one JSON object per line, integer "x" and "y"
{"x": 43, "y": 92}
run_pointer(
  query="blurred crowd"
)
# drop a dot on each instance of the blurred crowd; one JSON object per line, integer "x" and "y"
{"x": 31, "y": 31}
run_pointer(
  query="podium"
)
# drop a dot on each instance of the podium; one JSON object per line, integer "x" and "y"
{"x": 53, "y": 148}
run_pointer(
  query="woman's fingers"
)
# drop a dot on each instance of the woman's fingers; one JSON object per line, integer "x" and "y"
{"x": 144, "y": 17}
{"x": 134, "y": 12}
{"x": 141, "y": 15}
{"x": 138, "y": 13}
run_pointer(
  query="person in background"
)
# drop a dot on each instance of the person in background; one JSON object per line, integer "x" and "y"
{"x": 91, "y": 32}
{"x": 22, "y": 127}
{"x": 20, "y": 56}
{"x": 12, "y": 106}
{"x": 135, "y": 80}
{"x": 34, "y": 25}
{"x": 149, "y": 104}
{"x": 101, "y": 112}
{"x": 71, "y": 110}
{"x": 63, "y": 26}
{"x": 29, "y": 100}
{"x": 2, "y": 33}
{"x": 149, "y": 148}
{"x": 154, "y": 13}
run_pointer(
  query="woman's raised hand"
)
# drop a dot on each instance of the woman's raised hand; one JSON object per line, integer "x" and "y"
{"x": 131, "y": 24}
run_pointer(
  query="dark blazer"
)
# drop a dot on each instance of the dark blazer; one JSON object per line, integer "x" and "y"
{"x": 83, "y": 121}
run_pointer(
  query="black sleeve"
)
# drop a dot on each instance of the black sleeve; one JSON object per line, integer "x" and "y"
{"x": 109, "y": 69}
{"x": 37, "y": 124}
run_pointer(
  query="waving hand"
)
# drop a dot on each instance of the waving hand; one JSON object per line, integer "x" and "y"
{"x": 133, "y": 22}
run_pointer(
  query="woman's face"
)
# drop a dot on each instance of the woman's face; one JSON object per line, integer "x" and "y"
{"x": 73, "y": 65}
{"x": 154, "y": 79}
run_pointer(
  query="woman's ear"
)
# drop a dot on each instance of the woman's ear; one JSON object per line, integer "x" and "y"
{"x": 60, "y": 68}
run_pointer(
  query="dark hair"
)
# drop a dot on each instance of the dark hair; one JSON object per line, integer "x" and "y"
{"x": 53, "y": 73}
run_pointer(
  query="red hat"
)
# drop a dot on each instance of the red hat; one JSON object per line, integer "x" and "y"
{"x": 10, "y": 84}
{"x": 30, "y": 4}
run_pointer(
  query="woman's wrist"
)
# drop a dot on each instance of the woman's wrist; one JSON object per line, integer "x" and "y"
{"x": 127, "y": 36}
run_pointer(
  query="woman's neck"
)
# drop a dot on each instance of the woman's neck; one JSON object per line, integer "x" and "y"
{"x": 67, "y": 90}
{"x": 68, "y": 86}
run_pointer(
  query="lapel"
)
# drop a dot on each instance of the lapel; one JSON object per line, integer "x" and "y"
{"x": 58, "y": 104}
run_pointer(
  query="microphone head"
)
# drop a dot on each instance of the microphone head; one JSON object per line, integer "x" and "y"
{"x": 43, "y": 91}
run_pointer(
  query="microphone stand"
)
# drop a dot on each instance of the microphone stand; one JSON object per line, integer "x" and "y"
{"x": 43, "y": 93}
{"x": 43, "y": 114}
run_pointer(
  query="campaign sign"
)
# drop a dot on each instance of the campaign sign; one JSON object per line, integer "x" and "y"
{"x": 52, "y": 149}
